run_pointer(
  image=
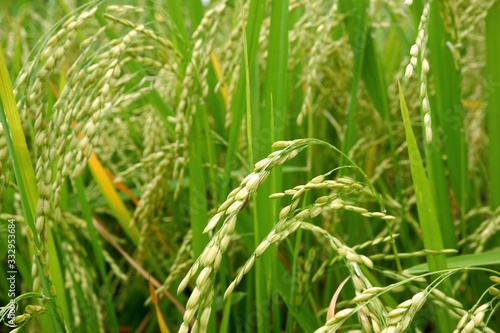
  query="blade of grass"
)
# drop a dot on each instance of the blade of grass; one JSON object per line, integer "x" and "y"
{"x": 161, "y": 322}
{"x": 175, "y": 13}
{"x": 357, "y": 28}
{"x": 197, "y": 191}
{"x": 395, "y": 42}
{"x": 377, "y": 87}
{"x": 251, "y": 31}
{"x": 26, "y": 181}
{"x": 447, "y": 113}
{"x": 251, "y": 98}
{"x": 248, "y": 74}
{"x": 465, "y": 260}
{"x": 439, "y": 188}
{"x": 218, "y": 75}
{"x": 493, "y": 98}
{"x": 271, "y": 129}
{"x": 195, "y": 9}
{"x": 429, "y": 223}
{"x": 435, "y": 164}
{"x": 113, "y": 199}
{"x": 431, "y": 233}
{"x": 373, "y": 76}
{"x": 356, "y": 25}
{"x": 123, "y": 188}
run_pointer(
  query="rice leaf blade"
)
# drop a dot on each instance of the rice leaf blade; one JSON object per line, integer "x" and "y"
{"x": 447, "y": 110}
{"x": 431, "y": 232}
{"x": 197, "y": 191}
{"x": 357, "y": 28}
{"x": 26, "y": 181}
{"x": 488, "y": 258}
{"x": 493, "y": 99}
{"x": 113, "y": 199}
{"x": 428, "y": 218}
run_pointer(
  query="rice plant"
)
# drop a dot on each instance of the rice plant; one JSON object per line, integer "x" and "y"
{"x": 249, "y": 166}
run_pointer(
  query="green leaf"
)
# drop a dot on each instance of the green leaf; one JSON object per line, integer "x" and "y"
{"x": 466, "y": 260}
{"x": 26, "y": 181}
{"x": 493, "y": 97}
{"x": 357, "y": 29}
{"x": 428, "y": 217}
{"x": 427, "y": 214}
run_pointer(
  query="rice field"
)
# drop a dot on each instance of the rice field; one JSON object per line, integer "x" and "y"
{"x": 250, "y": 166}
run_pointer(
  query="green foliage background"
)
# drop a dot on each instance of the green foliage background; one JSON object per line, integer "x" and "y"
{"x": 128, "y": 127}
